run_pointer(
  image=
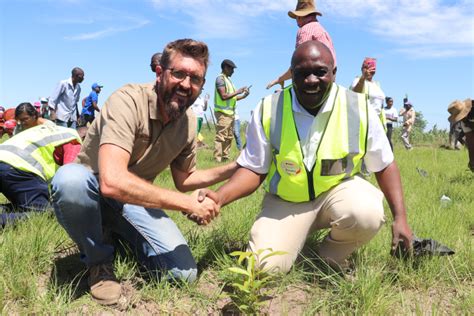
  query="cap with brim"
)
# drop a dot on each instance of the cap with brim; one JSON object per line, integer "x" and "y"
{"x": 459, "y": 110}
{"x": 44, "y": 100}
{"x": 229, "y": 63}
{"x": 304, "y": 8}
{"x": 96, "y": 85}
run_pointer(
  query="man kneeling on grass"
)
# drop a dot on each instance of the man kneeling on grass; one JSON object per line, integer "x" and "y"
{"x": 308, "y": 141}
{"x": 141, "y": 130}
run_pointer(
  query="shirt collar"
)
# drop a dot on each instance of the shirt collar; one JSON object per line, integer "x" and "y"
{"x": 69, "y": 81}
{"x": 326, "y": 107}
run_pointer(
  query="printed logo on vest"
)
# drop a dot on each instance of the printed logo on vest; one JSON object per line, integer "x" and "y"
{"x": 290, "y": 167}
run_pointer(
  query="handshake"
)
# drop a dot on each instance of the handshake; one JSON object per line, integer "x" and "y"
{"x": 205, "y": 208}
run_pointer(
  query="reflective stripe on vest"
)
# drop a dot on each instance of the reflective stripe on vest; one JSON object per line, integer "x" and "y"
{"x": 37, "y": 156}
{"x": 339, "y": 153}
{"x": 225, "y": 106}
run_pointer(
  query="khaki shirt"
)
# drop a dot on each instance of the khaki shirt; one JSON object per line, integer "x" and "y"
{"x": 131, "y": 120}
{"x": 408, "y": 118}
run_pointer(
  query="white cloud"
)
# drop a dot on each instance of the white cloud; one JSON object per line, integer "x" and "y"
{"x": 211, "y": 18}
{"x": 99, "y": 21}
{"x": 421, "y": 28}
{"x": 106, "y": 32}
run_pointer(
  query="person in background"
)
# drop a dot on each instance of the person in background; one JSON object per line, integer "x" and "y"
{"x": 371, "y": 88}
{"x": 316, "y": 184}
{"x": 44, "y": 112}
{"x": 409, "y": 117}
{"x": 463, "y": 111}
{"x": 456, "y": 136}
{"x": 306, "y": 16}
{"x": 155, "y": 61}
{"x": 65, "y": 97}
{"x": 238, "y": 140}
{"x": 28, "y": 161}
{"x": 90, "y": 106}
{"x": 225, "y": 102}
{"x": 199, "y": 107}
{"x": 391, "y": 116}
{"x": 27, "y": 116}
{"x": 142, "y": 130}
{"x": 7, "y": 121}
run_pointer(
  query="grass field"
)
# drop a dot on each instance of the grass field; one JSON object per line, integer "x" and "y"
{"x": 39, "y": 276}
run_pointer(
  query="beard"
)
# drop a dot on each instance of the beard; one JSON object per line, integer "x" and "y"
{"x": 175, "y": 105}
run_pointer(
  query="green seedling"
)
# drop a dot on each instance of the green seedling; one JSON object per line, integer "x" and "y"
{"x": 251, "y": 279}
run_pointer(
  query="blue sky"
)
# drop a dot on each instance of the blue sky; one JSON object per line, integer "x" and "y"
{"x": 424, "y": 48}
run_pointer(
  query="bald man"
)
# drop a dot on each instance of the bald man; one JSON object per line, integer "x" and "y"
{"x": 316, "y": 184}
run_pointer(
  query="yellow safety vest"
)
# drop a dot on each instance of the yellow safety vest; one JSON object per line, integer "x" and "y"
{"x": 225, "y": 106}
{"x": 32, "y": 150}
{"x": 339, "y": 153}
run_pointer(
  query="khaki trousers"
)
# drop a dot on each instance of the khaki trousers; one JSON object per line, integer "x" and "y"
{"x": 353, "y": 210}
{"x": 224, "y": 135}
{"x": 406, "y": 137}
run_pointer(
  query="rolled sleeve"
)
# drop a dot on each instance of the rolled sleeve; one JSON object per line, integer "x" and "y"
{"x": 256, "y": 155}
{"x": 379, "y": 153}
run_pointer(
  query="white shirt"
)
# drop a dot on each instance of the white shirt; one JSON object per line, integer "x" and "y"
{"x": 198, "y": 107}
{"x": 391, "y": 113}
{"x": 376, "y": 95}
{"x": 257, "y": 155}
{"x": 64, "y": 100}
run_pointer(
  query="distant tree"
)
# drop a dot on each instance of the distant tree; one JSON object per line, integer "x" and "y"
{"x": 420, "y": 122}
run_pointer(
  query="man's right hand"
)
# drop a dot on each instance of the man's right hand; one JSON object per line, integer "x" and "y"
{"x": 206, "y": 208}
{"x": 366, "y": 71}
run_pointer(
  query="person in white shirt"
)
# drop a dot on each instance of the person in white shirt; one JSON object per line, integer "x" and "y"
{"x": 199, "y": 107}
{"x": 391, "y": 116}
{"x": 63, "y": 101}
{"x": 309, "y": 141}
{"x": 366, "y": 84}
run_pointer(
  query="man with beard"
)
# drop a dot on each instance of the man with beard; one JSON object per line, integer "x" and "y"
{"x": 142, "y": 129}
{"x": 309, "y": 141}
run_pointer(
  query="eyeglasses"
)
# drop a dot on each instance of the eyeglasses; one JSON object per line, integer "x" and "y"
{"x": 181, "y": 75}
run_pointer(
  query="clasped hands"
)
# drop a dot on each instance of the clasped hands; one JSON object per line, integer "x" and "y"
{"x": 206, "y": 208}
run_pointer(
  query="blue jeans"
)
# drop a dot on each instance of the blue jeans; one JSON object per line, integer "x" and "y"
{"x": 70, "y": 124}
{"x": 25, "y": 190}
{"x": 153, "y": 237}
{"x": 238, "y": 141}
